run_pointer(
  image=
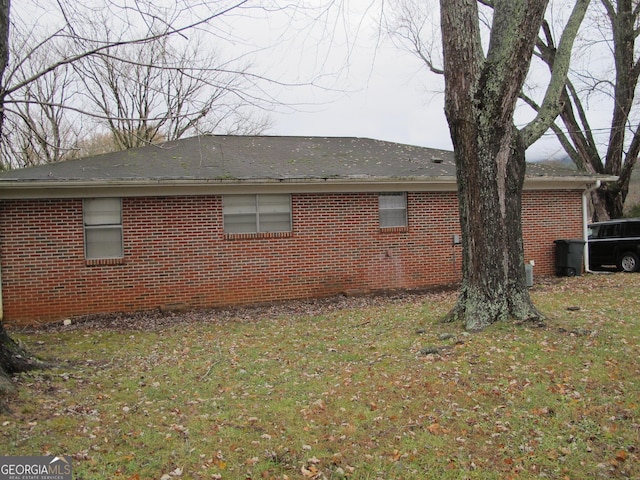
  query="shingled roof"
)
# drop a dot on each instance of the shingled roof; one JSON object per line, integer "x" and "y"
{"x": 258, "y": 159}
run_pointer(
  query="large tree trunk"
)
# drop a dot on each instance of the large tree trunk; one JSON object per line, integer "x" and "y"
{"x": 13, "y": 359}
{"x": 607, "y": 202}
{"x": 599, "y": 206}
{"x": 480, "y": 96}
{"x": 489, "y": 193}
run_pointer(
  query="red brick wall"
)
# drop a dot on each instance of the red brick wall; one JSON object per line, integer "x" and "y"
{"x": 548, "y": 216}
{"x": 177, "y": 253}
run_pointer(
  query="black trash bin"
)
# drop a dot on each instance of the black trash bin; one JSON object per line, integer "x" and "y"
{"x": 569, "y": 257}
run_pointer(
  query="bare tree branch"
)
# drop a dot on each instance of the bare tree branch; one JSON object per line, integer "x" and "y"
{"x": 551, "y": 107}
{"x": 164, "y": 95}
{"x": 110, "y": 45}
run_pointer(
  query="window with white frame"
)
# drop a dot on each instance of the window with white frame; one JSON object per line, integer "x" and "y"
{"x": 257, "y": 213}
{"x": 393, "y": 210}
{"x": 102, "y": 228}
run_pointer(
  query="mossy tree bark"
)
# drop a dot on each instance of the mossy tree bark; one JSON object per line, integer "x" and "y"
{"x": 480, "y": 99}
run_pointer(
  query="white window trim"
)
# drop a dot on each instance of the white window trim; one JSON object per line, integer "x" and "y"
{"x": 404, "y": 209}
{"x": 258, "y": 214}
{"x": 105, "y": 227}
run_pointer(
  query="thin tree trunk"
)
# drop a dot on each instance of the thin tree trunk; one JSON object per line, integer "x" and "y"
{"x": 5, "y": 6}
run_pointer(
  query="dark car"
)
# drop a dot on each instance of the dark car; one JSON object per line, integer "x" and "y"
{"x": 615, "y": 243}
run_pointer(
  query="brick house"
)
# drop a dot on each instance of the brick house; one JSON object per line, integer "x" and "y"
{"x": 221, "y": 220}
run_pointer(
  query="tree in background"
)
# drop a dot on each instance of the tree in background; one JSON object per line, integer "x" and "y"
{"x": 607, "y": 44}
{"x": 40, "y": 129}
{"x": 481, "y": 91}
{"x": 612, "y": 33}
{"x": 35, "y": 85}
{"x": 147, "y": 94}
{"x": 142, "y": 74}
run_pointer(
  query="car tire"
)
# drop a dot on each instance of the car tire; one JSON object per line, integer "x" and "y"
{"x": 629, "y": 262}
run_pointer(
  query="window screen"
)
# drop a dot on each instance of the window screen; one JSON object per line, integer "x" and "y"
{"x": 393, "y": 210}
{"x": 103, "y": 228}
{"x": 257, "y": 213}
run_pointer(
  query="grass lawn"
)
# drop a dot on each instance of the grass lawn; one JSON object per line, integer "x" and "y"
{"x": 345, "y": 392}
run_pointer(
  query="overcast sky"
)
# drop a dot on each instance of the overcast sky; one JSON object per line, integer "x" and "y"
{"x": 364, "y": 85}
{"x": 388, "y": 96}
{"x": 335, "y": 72}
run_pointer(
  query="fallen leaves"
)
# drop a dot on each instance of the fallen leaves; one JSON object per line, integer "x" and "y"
{"x": 435, "y": 429}
{"x": 177, "y": 472}
{"x": 271, "y": 393}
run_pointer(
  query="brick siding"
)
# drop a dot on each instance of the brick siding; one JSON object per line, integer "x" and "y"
{"x": 176, "y": 253}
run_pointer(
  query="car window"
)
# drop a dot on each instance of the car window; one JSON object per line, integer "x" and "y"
{"x": 633, "y": 229}
{"x": 593, "y": 231}
{"x": 610, "y": 231}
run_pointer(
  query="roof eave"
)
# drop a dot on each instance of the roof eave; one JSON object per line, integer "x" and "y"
{"x": 22, "y": 189}
{"x": 565, "y": 182}
{"x": 177, "y": 187}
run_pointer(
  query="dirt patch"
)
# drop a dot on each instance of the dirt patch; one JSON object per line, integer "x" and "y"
{"x": 163, "y": 318}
